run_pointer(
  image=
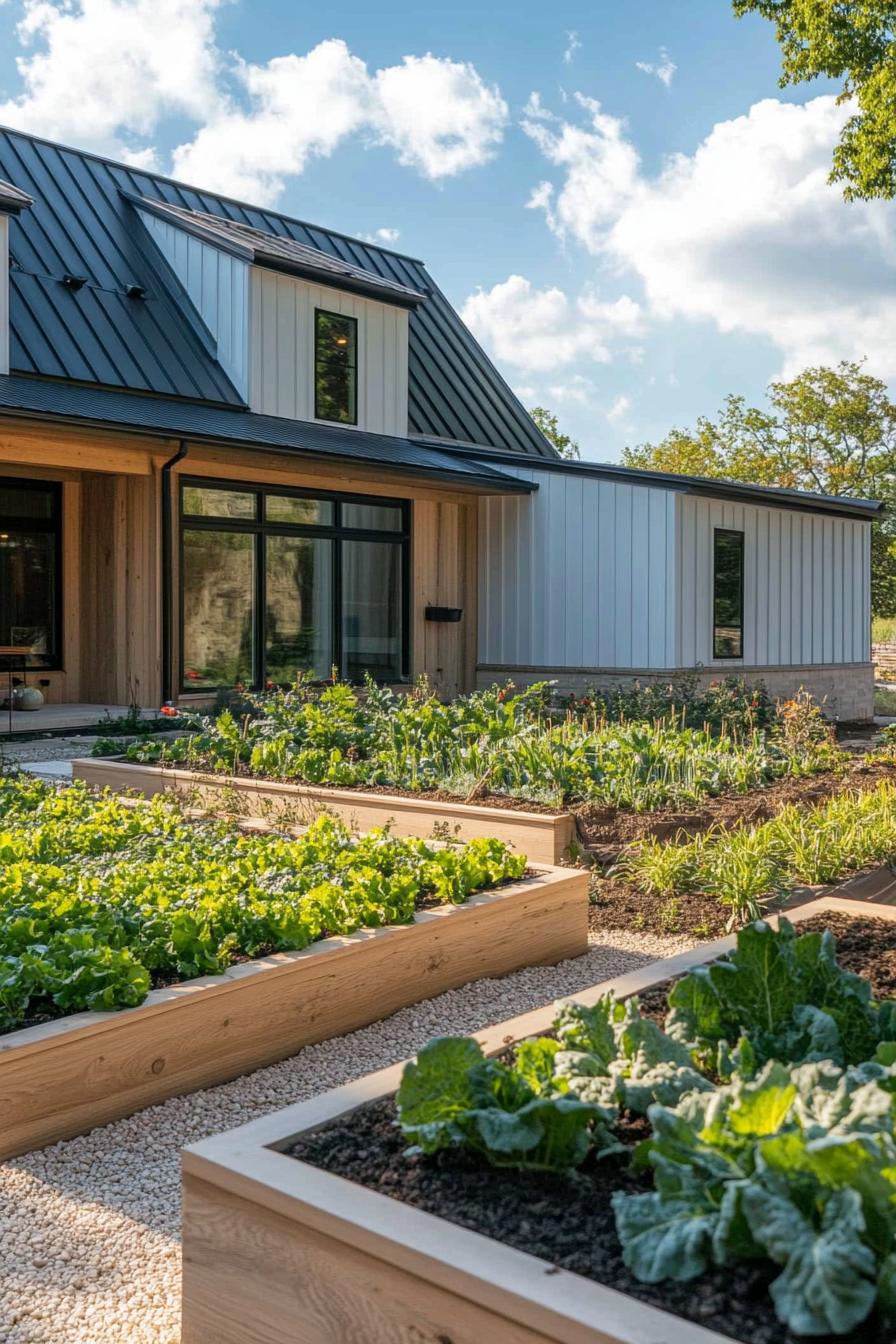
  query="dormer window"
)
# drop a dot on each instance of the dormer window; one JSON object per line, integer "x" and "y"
{"x": 335, "y": 367}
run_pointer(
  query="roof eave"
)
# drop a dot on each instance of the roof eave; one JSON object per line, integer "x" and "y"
{"x": 328, "y": 279}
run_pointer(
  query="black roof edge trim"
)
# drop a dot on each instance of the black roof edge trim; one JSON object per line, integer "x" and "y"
{"x": 704, "y": 486}
{"x": 195, "y": 230}
{"x": 327, "y": 279}
{"x": 507, "y": 485}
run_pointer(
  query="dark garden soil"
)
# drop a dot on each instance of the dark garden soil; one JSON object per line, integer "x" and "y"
{"x": 569, "y": 1221}
{"x": 608, "y": 830}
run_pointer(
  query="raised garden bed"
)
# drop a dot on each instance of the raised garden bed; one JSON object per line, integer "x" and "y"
{"x": 545, "y": 836}
{"x": 279, "y": 1249}
{"x": 67, "y": 1076}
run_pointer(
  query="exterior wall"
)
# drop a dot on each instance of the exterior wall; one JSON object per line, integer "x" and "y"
{"x": 807, "y": 598}
{"x": 581, "y": 574}
{"x": 282, "y": 351}
{"x": 218, "y": 287}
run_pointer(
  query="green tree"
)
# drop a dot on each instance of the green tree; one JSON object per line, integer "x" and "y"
{"x": 829, "y": 430}
{"x": 853, "y": 41}
{"x": 547, "y": 423}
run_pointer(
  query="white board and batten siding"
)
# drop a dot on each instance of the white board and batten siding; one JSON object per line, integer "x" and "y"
{"x": 594, "y": 573}
{"x": 282, "y": 351}
{"x": 579, "y": 575}
{"x": 217, "y": 285}
{"x": 807, "y": 596}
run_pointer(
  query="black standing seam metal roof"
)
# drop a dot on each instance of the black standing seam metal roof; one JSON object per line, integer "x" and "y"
{"x": 257, "y": 246}
{"x": 705, "y": 486}
{"x": 169, "y": 417}
{"x": 81, "y": 223}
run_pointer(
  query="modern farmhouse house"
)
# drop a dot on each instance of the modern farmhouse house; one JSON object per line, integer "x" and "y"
{"x": 234, "y": 445}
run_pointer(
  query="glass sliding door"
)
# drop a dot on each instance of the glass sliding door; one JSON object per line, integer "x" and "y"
{"x": 298, "y": 608}
{"x": 218, "y": 595}
{"x": 277, "y": 583}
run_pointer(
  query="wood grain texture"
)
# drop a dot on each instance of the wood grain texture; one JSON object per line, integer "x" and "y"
{"x": 279, "y": 1252}
{"x": 542, "y": 837}
{"x": 68, "y": 1076}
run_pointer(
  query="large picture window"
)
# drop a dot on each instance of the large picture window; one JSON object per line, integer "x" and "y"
{"x": 30, "y": 562}
{"x": 335, "y": 367}
{"x": 275, "y": 582}
{"x": 728, "y": 594}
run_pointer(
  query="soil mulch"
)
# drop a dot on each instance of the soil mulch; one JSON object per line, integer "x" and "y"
{"x": 608, "y": 830}
{"x": 568, "y": 1221}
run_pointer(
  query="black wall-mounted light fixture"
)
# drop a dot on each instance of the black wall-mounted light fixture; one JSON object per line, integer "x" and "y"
{"x": 447, "y": 614}
{"x": 74, "y": 281}
{"x": 135, "y": 291}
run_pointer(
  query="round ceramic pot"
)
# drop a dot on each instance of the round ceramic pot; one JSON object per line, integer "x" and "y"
{"x": 27, "y": 697}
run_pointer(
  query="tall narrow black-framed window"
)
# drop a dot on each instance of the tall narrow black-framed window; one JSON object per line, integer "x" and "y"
{"x": 31, "y": 569}
{"x": 335, "y": 367}
{"x": 727, "y": 593}
{"x": 277, "y": 582}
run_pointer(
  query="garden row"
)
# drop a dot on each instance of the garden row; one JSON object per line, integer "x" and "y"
{"x": 499, "y": 743}
{"x": 594, "y": 1171}
{"x": 143, "y": 953}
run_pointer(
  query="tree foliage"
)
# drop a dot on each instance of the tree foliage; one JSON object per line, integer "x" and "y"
{"x": 853, "y": 41}
{"x": 828, "y": 430}
{"x": 547, "y": 423}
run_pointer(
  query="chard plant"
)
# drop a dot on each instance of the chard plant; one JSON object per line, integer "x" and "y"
{"x": 519, "y": 743}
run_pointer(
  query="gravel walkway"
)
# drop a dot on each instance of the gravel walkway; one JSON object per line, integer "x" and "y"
{"x": 89, "y": 1250}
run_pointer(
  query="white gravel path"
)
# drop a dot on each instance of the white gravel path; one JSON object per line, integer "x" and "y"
{"x": 89, "y": 1249}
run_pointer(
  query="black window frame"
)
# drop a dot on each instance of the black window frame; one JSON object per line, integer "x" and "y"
{"x": 15, "y": 522}
{"x": 344, "y": 317}
{"x": 261, "y": 528}
{"x": 729, "y": 533}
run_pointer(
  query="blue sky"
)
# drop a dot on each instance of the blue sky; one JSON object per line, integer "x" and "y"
{"x": 630, "y": 244}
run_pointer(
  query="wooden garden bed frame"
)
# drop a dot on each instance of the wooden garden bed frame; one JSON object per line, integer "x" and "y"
{"x": 277, "y": 1250}
{"x": 67, "y": 1076}
{"x": 544, "y": 837}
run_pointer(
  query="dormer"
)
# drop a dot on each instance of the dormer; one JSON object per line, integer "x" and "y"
{"x": 12, "y": 203}
{"x": 301, "y": 333}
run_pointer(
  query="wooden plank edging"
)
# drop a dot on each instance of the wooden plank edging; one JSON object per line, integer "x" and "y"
{"x": 67, "y": 1076}
{"x": 240, "y": 1189}
{"x": 544, "y": 837}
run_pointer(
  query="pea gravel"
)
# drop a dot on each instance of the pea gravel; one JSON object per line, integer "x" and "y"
{"x": 89, "y": 1229}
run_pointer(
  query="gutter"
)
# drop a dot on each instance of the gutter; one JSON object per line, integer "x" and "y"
{"x": 167, "y": 539}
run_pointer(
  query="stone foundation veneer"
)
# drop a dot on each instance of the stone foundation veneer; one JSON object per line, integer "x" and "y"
{"x": 844, "y": 690}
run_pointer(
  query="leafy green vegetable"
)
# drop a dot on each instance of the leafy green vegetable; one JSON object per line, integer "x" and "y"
{"x": 98, "y": 895}
{"x": 513, "y": 1115}
{"x": 777, "y": 996}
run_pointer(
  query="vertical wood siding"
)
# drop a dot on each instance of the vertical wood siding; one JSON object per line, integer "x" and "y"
{"x": 806, "y": 584}
{"x": 218, "y": 287}
{"x": 581, "y": 574}
{"x": 282, "y": 351}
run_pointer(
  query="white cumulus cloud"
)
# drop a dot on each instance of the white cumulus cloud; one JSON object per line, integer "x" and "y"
{"x": 542, "y": 330}
{"x": 101, "y": 72}
{"x": 106, "y": 73}
{"x": 745, "y": 232}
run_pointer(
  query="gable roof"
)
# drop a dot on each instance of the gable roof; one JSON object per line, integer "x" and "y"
{"x": 82, "y": 223}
